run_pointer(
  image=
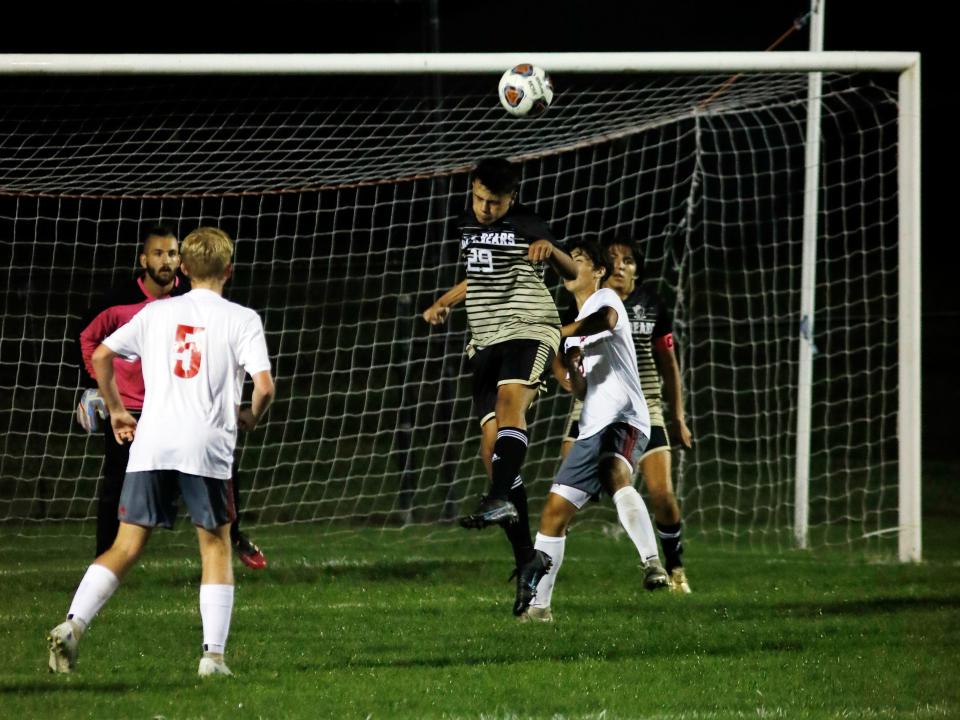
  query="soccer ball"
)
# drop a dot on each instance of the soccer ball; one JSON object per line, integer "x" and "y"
{"x": 525, "y": 91}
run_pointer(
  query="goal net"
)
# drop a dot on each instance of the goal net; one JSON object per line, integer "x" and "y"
{"x": 342, "y": 194}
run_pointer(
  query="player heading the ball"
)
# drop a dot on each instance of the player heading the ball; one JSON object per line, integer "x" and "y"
{"x": 514, "y": 334}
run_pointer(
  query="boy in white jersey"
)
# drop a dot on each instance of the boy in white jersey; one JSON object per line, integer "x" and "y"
{"x": 194, "y": 350}
{"x": 614, "y": 429}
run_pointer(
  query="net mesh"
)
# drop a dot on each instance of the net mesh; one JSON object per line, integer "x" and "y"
{"x": 342, "y": 196}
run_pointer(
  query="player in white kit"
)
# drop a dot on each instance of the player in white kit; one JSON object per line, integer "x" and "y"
{"x": 194, "y": 351}
{"x": 614, "y": 429}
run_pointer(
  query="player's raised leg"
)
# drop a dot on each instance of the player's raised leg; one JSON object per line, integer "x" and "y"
{"x": 97, "y": 586}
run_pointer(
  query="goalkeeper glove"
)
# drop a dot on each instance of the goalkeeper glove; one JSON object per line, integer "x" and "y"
{"x": 90, "y": 408}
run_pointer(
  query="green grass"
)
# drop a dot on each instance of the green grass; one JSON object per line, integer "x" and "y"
{"x": 414, "y": 624}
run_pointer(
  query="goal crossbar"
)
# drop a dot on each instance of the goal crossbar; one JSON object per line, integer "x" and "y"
{"x": 453, "y": 63}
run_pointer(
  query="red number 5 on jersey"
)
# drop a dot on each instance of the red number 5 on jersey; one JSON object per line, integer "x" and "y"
{"x": 187, "y": 351}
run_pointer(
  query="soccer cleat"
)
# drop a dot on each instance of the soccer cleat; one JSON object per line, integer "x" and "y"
{"x": 209, "y": 667}
{"x": 249, "y": 554}
{"x": 63, "y": 641}
{"x": 490, "y": 511}
{"x": 678, "y": 581}
{"x": 536, "y": 614}
{"x": 528, "y": 577}
{"x": 654, "y": 576}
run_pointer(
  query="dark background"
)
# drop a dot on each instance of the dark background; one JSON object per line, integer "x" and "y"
{"x": 323, "y": 26}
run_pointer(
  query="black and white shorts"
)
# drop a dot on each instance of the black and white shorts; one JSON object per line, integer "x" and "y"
{"x": 522, "y": 362}
{"x": 149, "y": 499}
{"x": 578, "y": 479}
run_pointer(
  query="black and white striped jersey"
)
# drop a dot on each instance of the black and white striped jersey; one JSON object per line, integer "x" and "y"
{"x": 506, "y": 296}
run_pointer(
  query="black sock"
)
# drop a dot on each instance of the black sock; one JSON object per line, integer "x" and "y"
{"x": 508, "y": 453}
{"x": 671, "y": 539}
{"x": 518, "y": 533}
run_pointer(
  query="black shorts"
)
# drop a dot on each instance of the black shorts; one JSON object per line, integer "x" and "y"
{"x": 659, "y": 441}
{"x": 521, "y": 362}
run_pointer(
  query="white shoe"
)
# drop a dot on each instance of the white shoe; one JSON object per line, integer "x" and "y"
{"x": 678, "y": 581}
{"x": 654, "y": 576}
{"x": 536, "y": 614}
{"x": 63, "y": 641}
{"x": 209, "y": 666}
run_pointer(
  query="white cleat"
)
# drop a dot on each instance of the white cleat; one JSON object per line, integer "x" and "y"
{"x": 536, "y": 614}
{"x": 654, "y": 576}
{"x": 63, "y": 642}
{"x": 678, "y": 581}
{"x": 209, "y": 666}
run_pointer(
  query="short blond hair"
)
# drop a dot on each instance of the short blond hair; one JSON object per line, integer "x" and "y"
{"x": 206, "y": 253}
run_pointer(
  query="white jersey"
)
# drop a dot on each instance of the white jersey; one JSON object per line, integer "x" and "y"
{"x": 610, "y": 366}
{"x": 194, "y": 350}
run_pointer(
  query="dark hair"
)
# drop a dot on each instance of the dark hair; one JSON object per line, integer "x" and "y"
{"x": 629, "y": 242}
{"x": 592, "y": 250}
{"x": 157, "y": 230}
{"x": 498, "y": 175}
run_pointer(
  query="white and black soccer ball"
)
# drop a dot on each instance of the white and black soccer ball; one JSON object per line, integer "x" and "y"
{"x": 525, "y": 91}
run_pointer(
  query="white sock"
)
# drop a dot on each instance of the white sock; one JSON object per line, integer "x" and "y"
{"x": 96, "y": 587}
{"x": 636, "y": 521}
{"x": 216, "y": 606}
{"x": 552, "y": 546}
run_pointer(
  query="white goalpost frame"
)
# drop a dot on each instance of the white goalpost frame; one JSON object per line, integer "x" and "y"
{"x": 811, "y": 206}
{"x": 906, "y": 64}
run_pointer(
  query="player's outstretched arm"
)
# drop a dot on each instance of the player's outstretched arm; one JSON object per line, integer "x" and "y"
{"x": 600, "y": 321}
{"x": 123, "y": 423}
{"x": 669, "y": 369}
{"x": 437, "y": 313}
{"x": 264, "y": 391}
{"x": 544, "y": 250}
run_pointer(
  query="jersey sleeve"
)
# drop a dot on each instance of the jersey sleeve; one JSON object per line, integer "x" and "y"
{"x": 663, "y": 325}
{"x": 606, "y": 297}
{"x": 534, "y": 228}
{"x": 127, "y": 340}
{"x": 95, "y": 325}
{"x": 252, "y": 346}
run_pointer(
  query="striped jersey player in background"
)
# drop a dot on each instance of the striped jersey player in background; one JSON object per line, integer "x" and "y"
{"x": 514, "y": 335}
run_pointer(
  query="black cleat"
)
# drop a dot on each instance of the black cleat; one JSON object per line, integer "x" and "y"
{"x": 528, "y": 577}
{"x": 490, "y": 511}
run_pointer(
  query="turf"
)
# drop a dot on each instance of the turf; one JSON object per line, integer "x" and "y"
{"x": 373, "y": 624}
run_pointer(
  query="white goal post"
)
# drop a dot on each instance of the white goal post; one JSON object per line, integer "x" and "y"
{"x": 908, "y": 238}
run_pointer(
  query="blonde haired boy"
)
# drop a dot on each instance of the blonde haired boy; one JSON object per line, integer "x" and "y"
{"x": 194, "y": 350}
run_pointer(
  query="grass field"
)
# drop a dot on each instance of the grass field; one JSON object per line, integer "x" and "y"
{"x": 413, "y": 624}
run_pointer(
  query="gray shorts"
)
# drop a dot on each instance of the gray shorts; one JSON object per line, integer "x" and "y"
{"x": 149, "y": 499}
{"x": 581, "y": 468}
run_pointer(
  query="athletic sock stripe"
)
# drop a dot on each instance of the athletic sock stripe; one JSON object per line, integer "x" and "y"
{"x": 662, "y": 534}
{"x": 517, "y": 482}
